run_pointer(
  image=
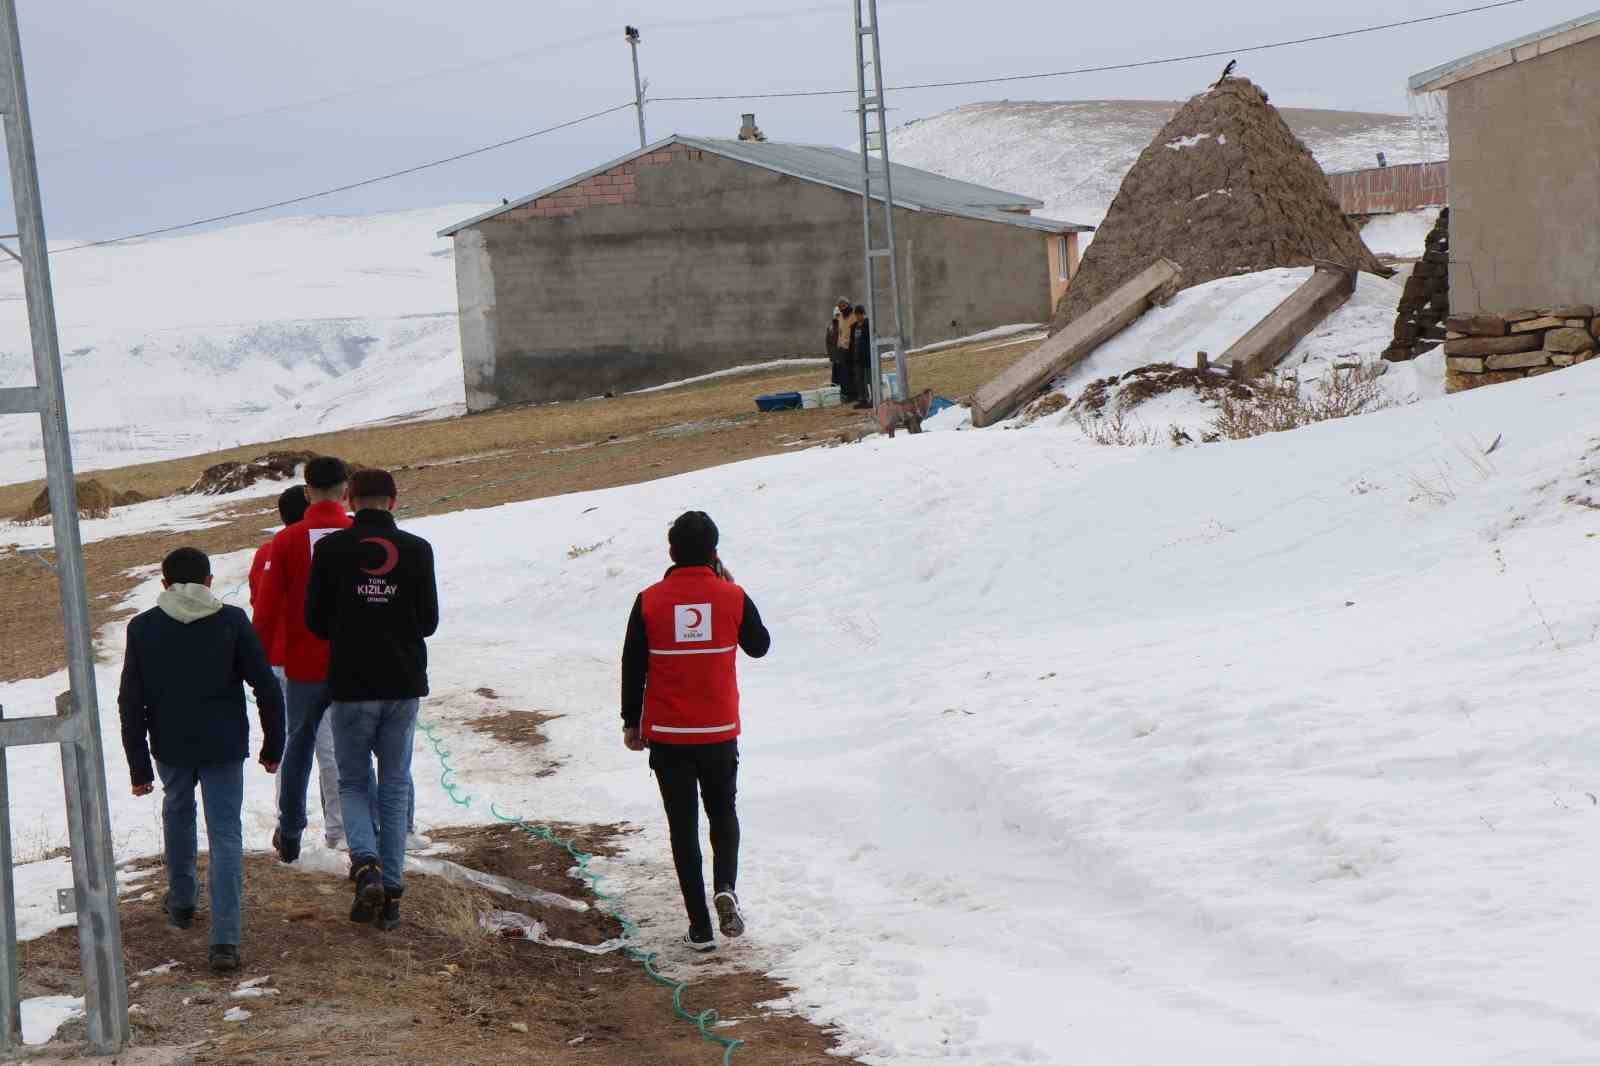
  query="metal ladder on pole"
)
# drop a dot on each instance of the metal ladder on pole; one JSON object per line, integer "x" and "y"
{"x": 76, "y": 724}
{"x": 877, "y": 187}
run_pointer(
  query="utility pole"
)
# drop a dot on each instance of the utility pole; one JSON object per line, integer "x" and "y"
{"x": 75, "y": 725}
{"x": 632, "y": 35}
{"x": 875, "y": 175}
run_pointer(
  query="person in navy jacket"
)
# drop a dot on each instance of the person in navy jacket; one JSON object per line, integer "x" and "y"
{"x": 680, "y": 698}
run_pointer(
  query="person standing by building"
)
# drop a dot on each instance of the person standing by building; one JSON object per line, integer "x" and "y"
{"x": 280, "y": 623}
{"x": 372, "y": 596}
{"x": 838, "y": 349}
{"x": 292, "y": 505}
{"x": 182, "y": 699}
{"x": 861, "y": 356}
{"x": 680, "y": 698}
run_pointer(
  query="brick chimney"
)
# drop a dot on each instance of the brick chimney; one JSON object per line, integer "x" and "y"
{"x": 749, "y": 131}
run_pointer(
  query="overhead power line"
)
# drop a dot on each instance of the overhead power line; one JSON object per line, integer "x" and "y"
{"x": 1003, "y": 79}
{"x": 346, "y": 187}
{"x": 367, "y": 88}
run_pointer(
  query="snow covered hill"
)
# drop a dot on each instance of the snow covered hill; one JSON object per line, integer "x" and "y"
{"x": 1249, "y": 753}
{"x": 1073, "y": 155}
{"x": 250, "y": 333}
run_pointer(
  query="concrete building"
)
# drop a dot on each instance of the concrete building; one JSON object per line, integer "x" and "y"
{"x": 695, "y": 255}
{"x": 1524, "y": 170}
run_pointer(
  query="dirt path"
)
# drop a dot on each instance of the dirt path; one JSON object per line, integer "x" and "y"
{"x": 441, "y": 988}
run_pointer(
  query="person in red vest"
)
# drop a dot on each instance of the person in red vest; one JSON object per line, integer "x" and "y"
{"x": 280, "y": 623}
{"x": 680, "y": 698}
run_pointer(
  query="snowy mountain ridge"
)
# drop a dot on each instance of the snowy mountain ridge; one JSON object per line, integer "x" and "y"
{"x": 250, "y": 333}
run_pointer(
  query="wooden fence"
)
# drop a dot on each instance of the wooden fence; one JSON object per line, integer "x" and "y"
{"x": 1387, "y": 190}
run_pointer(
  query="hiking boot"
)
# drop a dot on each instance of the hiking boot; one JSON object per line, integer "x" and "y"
{"x": 288, "y": 850}
{"x": 224, "y": 958}
{"x": 369, "y": 892}
{"x": 700, "y": 940}
{"x": 729, "y": 918}
{"x": 177, "y": 917}
{"x": 389, "y": 917}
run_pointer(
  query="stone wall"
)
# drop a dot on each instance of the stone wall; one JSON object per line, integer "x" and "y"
{"x": 1488, "y": 349}
{"x": 1425, "y": 303}
{"x": 684, "y": 262}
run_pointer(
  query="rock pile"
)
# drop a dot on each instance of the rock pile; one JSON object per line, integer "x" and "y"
{"x": 1425, "y": 304}
{"x": 1487, "y": 349}
{"x": 224, "y": 478}
{"x": 95, "y": 500}
{"x": 1225, "y": 188}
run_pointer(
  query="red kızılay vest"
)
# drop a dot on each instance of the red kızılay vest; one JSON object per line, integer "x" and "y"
{"x": 691, "y": 692}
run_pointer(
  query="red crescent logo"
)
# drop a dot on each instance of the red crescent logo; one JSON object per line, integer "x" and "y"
{"x": 698, "y": 617}
{"x": 390, "y": 560}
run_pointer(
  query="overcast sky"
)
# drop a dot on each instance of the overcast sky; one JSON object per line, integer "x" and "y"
{"x": 160, "y": 112}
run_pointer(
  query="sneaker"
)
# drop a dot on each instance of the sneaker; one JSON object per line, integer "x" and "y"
{"x": 288, "y": 850}
{"x": 389, "y": 917}
{"x": 224, "y": 958}
{"x": 729, "y": 918}
{"x": 177, "y": 917}
{"x": 700, "y": 940}
{"x": 369, "y": 893}
{"x": 418, "y": 842}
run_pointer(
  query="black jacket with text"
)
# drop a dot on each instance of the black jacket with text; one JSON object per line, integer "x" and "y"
{"x": 372, "y": 597}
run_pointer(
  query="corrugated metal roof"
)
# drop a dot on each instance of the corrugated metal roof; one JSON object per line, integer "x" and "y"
{"x": 1531, "y": 46}
{"x": 839, "y": 168}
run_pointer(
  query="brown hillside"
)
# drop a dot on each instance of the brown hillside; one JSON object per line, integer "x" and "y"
{"x": 1225, "y": 188}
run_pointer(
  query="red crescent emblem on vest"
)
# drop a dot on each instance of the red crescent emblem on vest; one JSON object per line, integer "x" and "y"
{"x": 391, "y": 556}
{"x": 698, "y": 616}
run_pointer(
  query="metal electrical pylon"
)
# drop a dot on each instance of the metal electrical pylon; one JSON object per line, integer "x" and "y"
{"x": 76, "y": 724}
{"x": 876, "y": 181}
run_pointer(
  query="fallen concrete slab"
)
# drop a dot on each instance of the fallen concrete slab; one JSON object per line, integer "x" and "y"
{"x": 997, "y": 399}
{"x": 1286, "y": 325}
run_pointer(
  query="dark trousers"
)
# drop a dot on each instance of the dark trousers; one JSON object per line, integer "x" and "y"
{"x": 861, "y": 368}
{"x": 691, "y": 774}
{"x": 845, "y": 378}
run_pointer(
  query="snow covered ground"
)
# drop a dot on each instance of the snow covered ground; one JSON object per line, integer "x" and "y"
{"x": 1404, "y": 234}
{"x": 251, "y": 333}
{"x": 1074, "y": 154}
{"x": 1272, "y": 751}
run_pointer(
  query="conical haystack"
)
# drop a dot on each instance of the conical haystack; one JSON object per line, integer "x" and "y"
{"x": 1224, "y": 189}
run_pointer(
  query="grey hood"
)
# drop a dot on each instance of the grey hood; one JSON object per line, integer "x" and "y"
{"x": 188, "y": 603}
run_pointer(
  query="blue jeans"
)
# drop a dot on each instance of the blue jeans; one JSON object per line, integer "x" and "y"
{"x": 222, "y": 791}
{"x": 385, "y": 729}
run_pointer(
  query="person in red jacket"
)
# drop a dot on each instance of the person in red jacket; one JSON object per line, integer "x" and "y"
{"x": 280, "y": 623}
{"x": 680, "y": 698}
{"x": 292, "y": 504}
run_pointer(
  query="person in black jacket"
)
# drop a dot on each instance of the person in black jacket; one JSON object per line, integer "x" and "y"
{"x": 861, "y": 357}
{"x": 182, "y": 698}
{"x": 372, "y": 596}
